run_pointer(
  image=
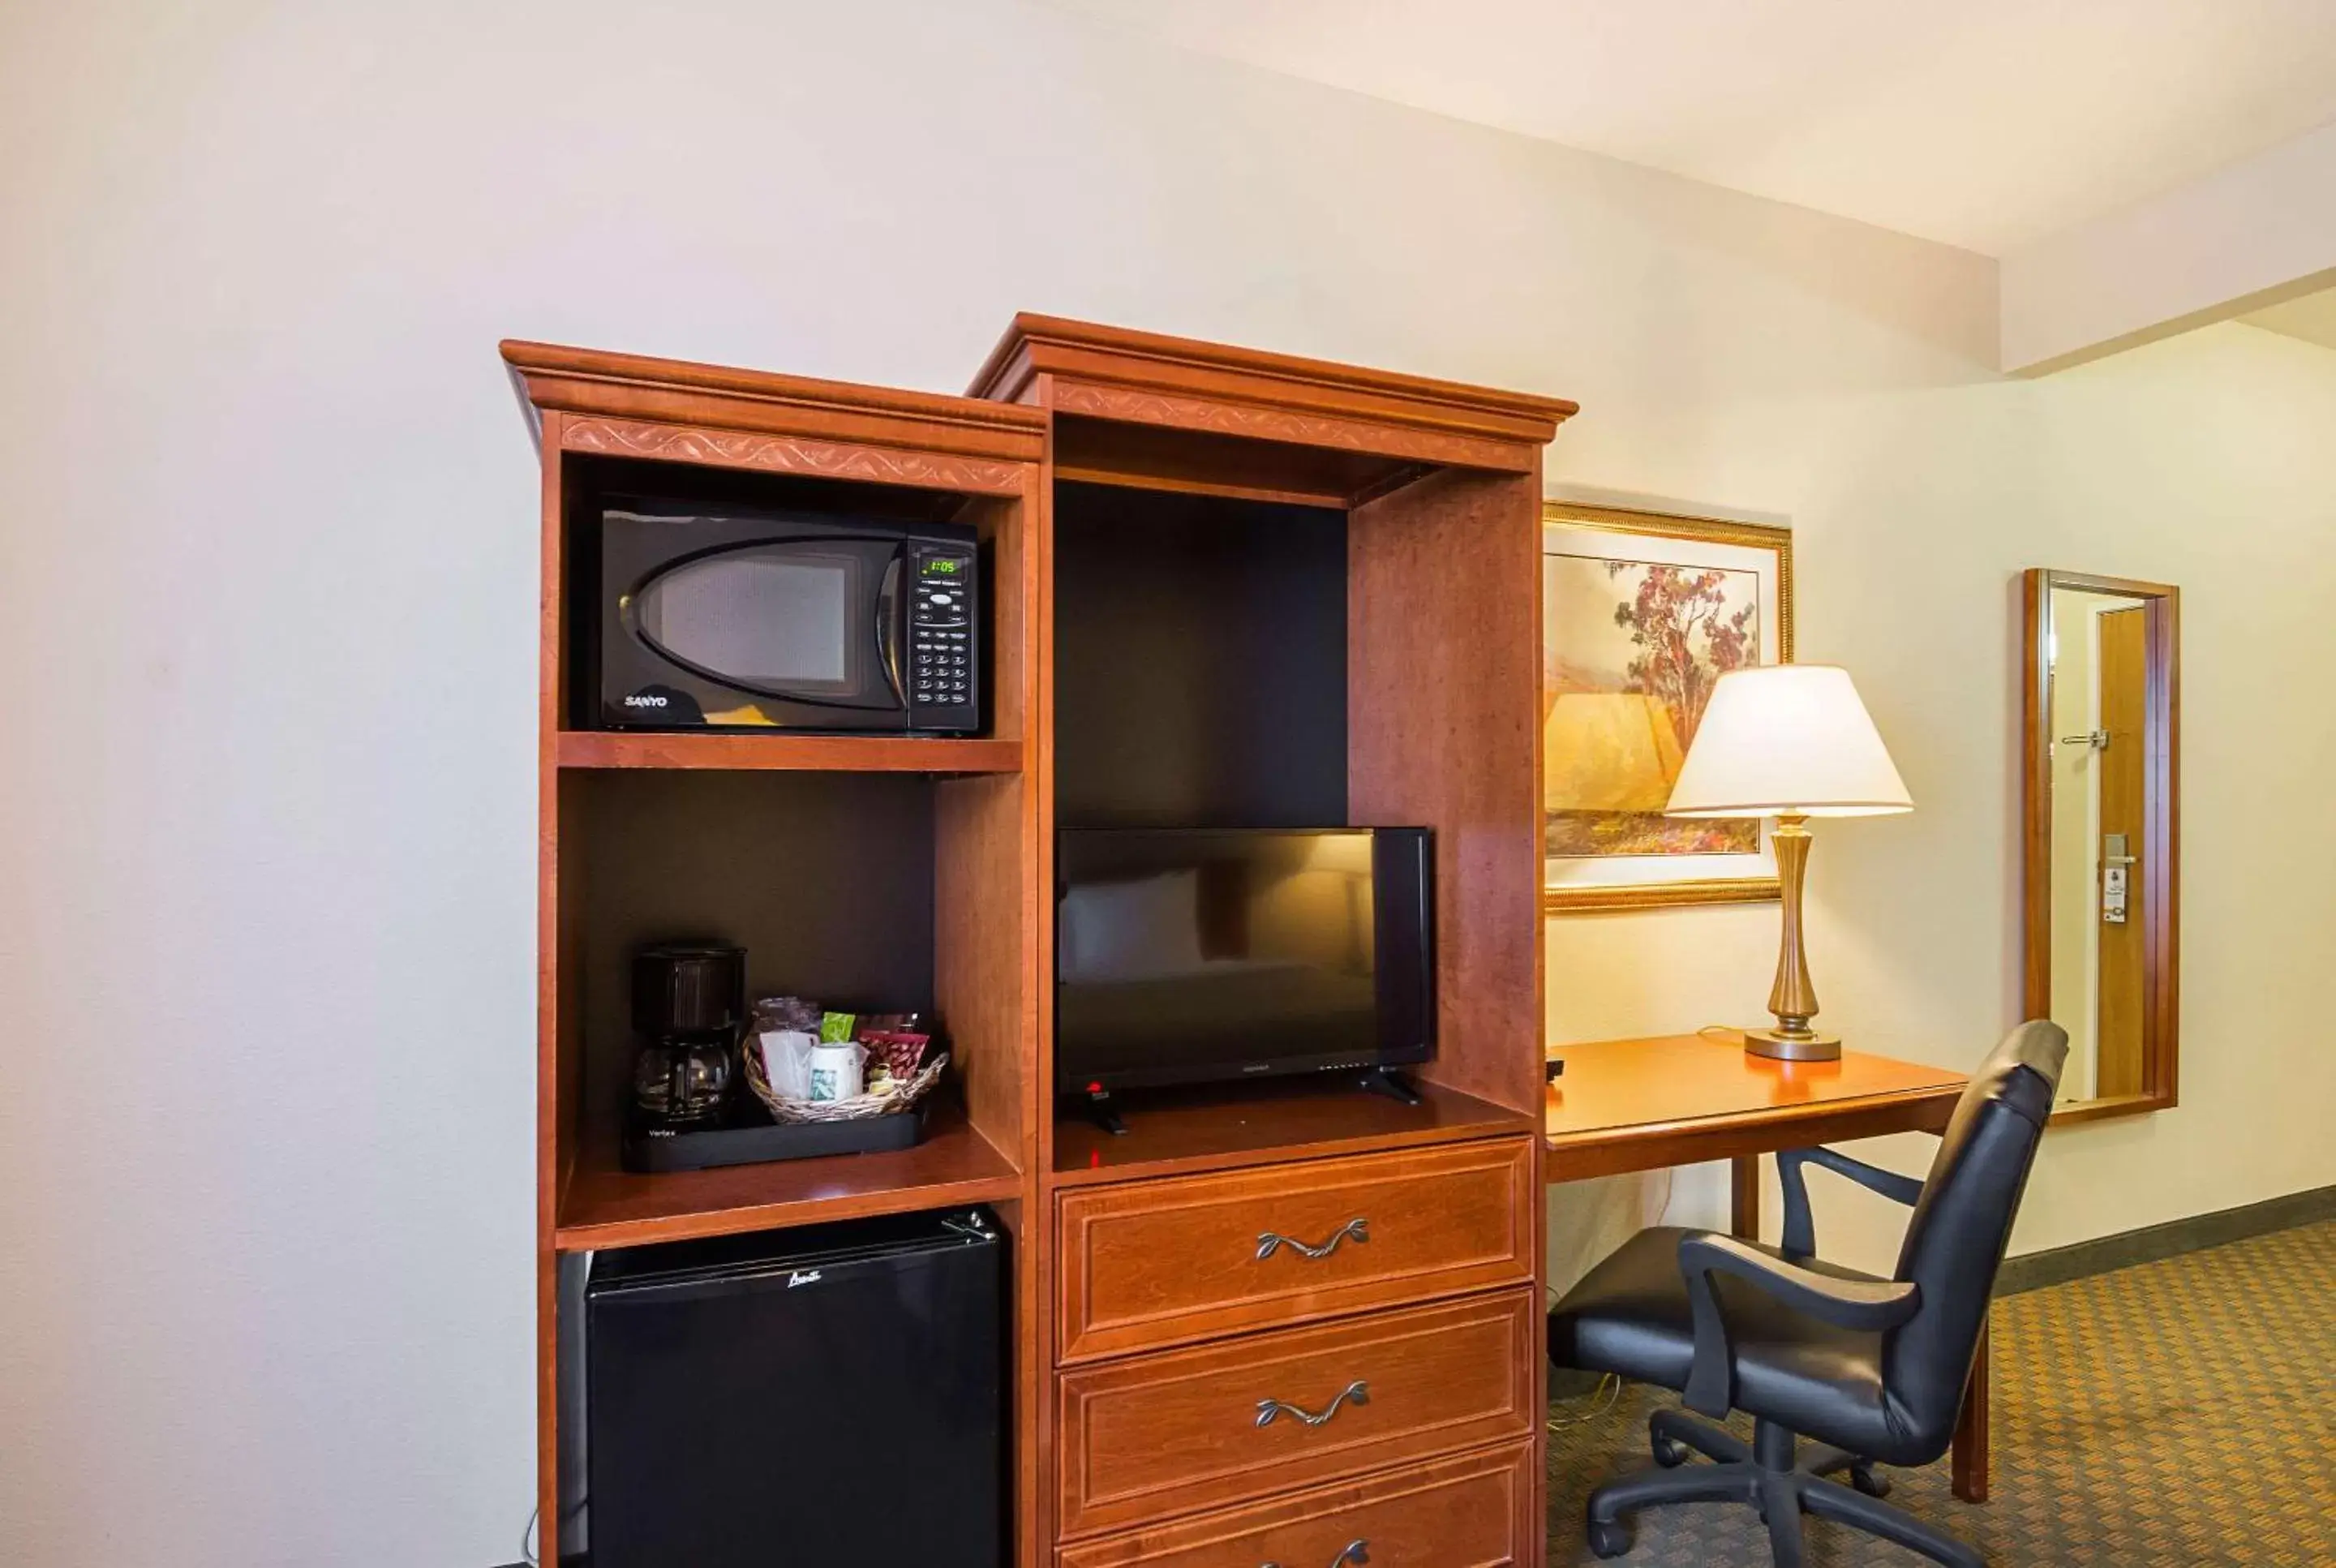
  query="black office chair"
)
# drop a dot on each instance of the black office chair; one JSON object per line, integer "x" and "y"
{"x": 1872, "y": 1369}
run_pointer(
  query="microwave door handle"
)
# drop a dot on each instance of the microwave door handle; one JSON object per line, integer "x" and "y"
{"x": 888, "y": 628}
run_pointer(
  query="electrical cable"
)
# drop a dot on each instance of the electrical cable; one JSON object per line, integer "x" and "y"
{"x": 1609, "y": 1384}
{"x": 1610, "y": 1387}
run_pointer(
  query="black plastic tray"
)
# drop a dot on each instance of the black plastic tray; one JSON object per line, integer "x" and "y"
{"x": 760, "y": 1142}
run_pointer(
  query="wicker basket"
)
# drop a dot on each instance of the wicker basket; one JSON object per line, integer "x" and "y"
{"x": 859, "y": 1107}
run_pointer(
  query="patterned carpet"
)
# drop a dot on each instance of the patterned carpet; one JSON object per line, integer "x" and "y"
{"x": 2178, "y": 1412}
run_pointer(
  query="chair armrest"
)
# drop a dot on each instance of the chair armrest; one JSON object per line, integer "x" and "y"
{"x": 1800, "y": 1227}
{"x": 1858, "y": 1304}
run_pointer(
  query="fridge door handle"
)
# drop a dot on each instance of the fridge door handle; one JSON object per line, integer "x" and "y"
{"x": 888, "y": 629}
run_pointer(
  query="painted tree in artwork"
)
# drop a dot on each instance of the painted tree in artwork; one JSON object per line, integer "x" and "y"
{"x": 1675, "y": 609}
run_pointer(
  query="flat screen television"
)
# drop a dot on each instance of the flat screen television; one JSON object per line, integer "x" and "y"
{"x": 1191, "y": 955}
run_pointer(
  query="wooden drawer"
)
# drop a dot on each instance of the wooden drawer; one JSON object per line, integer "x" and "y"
{"x": 1159, "y": 1263}
{"x": 1144, "y": 1440}
{"x": 1470, "y": 1512}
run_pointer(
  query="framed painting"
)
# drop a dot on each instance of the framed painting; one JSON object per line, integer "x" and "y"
{"x": 1640, "y": 614}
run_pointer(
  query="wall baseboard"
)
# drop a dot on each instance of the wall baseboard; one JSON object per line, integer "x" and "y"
{"x": 2033, "y": 1270}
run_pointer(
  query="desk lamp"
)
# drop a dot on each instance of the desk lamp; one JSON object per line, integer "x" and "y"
{"x": 1791, "y": 742}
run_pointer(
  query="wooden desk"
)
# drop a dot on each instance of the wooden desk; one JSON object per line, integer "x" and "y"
{"x": 1626, "y": 1105}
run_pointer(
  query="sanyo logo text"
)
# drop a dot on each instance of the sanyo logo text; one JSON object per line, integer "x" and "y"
{"x": 644, "y": 699}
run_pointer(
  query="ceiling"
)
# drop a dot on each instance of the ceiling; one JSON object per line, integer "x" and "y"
{"x": 2312, "y": 318}
{"x": 1983, "y": 123}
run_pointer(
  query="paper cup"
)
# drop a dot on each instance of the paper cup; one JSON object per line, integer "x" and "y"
{"x": 835, "y": 1071}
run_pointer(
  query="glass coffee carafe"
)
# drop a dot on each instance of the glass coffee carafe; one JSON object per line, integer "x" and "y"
{"x": 689, "y": 1003}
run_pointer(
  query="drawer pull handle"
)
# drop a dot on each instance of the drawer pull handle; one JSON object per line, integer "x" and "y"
{"x": 1359, "y": 1392}
{"x": 1269, "y": 1243}
{"x": 1357, "y": 1552}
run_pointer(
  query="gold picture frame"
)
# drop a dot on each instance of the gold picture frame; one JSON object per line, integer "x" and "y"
{"x": 1753, "y": 562}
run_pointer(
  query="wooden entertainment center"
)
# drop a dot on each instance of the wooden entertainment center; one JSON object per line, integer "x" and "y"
{"x": 1214, "y": 1362}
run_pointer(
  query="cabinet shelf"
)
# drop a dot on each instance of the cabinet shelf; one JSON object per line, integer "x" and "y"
{"x": 735, "y": 753}
{"x": 1184, "y": 1132}
{"x": 608, "y": 1206}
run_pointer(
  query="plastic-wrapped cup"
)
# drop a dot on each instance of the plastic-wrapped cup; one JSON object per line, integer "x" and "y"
{"x": 835, "y": 1071}
{"x": 786, "y": 1062}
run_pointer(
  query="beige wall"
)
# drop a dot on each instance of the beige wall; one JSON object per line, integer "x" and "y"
{"x": 266, "y": 890}
{"x": 2199, "y": 461}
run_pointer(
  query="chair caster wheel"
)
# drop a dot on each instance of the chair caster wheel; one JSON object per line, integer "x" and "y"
{"x": 1609, "y": 1539}
{"x": 1862, "y": 1477}
{"x": 1670, "y": 1452}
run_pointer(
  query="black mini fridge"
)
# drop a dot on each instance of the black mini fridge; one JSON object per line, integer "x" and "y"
{"x": 810, "y": 1398}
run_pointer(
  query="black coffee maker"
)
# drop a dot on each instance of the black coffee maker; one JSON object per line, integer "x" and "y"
{"x": 689, "y": 1004}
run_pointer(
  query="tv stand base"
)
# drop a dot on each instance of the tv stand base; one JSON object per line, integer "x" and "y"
{"x": 1102, "y": 1113}
{"x": 1393, "y": 1085}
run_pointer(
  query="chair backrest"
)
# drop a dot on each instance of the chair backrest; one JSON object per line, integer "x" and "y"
{"x": 1962, "y": 1223}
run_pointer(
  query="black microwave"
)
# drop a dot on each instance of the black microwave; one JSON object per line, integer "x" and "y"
{"x": 720, "y": 619}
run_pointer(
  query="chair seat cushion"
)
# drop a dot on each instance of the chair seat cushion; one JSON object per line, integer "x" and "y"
{"x": 1630, "y": 1316}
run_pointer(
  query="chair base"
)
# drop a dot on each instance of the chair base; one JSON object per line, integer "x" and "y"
{"x": 1766, "y": 1474}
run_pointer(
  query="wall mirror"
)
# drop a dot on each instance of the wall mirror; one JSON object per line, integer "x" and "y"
{"x": 2101, "y": 765}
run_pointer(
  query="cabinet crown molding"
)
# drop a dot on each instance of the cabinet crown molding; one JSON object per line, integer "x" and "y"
{"x": 1087, "y": 351}
{"x": 549, "y": 377}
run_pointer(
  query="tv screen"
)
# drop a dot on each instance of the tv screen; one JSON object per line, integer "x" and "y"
{"x": 1186, "y": 955}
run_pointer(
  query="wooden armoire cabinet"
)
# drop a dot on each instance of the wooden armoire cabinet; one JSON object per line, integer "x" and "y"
{"x": 1293, "y": 1323}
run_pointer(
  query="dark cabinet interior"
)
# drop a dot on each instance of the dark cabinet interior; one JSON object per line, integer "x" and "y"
{"x": 1201, "y": 660}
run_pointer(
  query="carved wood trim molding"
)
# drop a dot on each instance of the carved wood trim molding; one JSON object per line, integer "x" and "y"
{"x": 788, "y": 454}
{"x": 1262, "y": 424}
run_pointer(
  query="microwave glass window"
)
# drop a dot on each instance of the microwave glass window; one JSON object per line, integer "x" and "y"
{"x": 765, "y": 621}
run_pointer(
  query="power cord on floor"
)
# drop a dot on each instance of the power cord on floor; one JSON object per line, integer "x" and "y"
{"x": 1611, "y": 1387}
{"x": 1609, "y": 1392}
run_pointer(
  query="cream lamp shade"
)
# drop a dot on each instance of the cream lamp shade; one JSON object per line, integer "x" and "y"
{"x": 1787, "y": 740}
{"x": 1791, "y": 742}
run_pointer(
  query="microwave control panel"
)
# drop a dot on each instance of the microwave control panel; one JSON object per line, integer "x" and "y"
{"x": 943, "y": 650}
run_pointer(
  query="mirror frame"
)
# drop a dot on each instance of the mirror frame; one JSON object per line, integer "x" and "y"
{"x": 2161, "y": 882}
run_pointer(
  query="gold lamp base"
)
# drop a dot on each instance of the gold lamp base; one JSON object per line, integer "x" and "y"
{"x": 1781, "y": 1046}
{"x": 1794, "y": 1000}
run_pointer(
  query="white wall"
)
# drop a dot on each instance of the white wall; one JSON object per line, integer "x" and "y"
{"x": 2252, "y": 233}
{"x": 265, "y": 938}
